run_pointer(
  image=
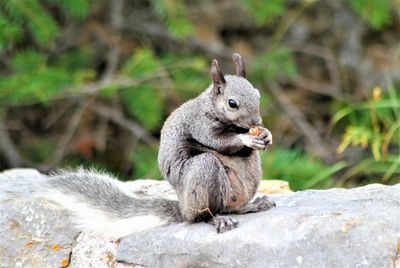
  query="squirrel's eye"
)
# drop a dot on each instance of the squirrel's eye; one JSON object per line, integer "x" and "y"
{"x": 232, "y": 104}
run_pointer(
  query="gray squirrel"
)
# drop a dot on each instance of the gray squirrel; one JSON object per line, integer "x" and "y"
{"x": 206, "y": 153}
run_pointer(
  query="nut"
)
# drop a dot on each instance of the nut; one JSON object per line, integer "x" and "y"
{"x": 254, "y": 131}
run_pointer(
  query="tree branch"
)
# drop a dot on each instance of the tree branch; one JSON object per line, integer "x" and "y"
{"x": 312, "y": 136}
{"x": 11, "y": 154}
{"x": 70, "y": 131}
{"x": 116, "y": 22}
{"x": 8, "y": 150}
{"x": 119, "y": 119}
{"x": 158, "y": 31}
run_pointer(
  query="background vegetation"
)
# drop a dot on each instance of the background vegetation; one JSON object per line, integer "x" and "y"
{"x": 90, "y": 82}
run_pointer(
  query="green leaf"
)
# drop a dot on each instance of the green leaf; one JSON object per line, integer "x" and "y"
{"x": 39, "y": 150}
{"x": 300, "y": 170}
{"x": 356, "y": 136}
{"x": 145, "y": 163}
{"x": 393, "y": 169}
{"x": 371, "y": 167}
{"x": 264, "y": 12}
{"x": 10, "y": 32}
{"x": 35, "y": 17}
{"x": 278, "y": 62}
{"x": 12, "y": 11}
{"x": 347, "y": 110}
{"x": 28, "y": 61}
{"x": 190, "y": 78}
{"x": 325, "y": 174}
{"x": 173, "y": 14}
{"x": 372, "y": 124}
{"x": 264, "y": 100}
{"x": 76, "y": 8}
{"x": 395, "y": 100}
{"x": 41, "y": 86}
{"x": 42, "y": 26}
{"x": 376, "y": 144}
{"x": 75, "y": 60}
{"x": 80, "y": 77}
{"x": 109, "y": 91}
{"x": 142, "y": 63}
{"x": 144, "y": 104}
{"x": 375, "y": 12}
{"x": 32, "y": 80}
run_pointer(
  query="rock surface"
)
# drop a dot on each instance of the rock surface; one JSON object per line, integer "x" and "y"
{"x": 33, "y": 233}
{"x": 331, "y": 228}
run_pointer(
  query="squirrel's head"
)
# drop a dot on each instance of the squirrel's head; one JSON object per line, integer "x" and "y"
{"x": 235, "y": 100}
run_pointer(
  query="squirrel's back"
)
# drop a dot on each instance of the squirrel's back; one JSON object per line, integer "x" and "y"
{"x": 175, "y": 140}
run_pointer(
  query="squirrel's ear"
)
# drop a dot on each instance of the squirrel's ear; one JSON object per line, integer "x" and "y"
{"x": 240, "y": 67}
{"x": 217, "y": 76}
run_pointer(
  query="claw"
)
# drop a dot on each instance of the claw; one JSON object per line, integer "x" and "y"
{"x": 224, "y": 224}
{"x": 264, "y": 203}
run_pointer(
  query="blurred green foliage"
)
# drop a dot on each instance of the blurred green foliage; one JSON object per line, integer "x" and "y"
{"x": 173, "y": 13}
{"x": 20, "y": 17}
{"x": 274, "y": 63}
{"x": 32, "y": 79}
{"x": 374, "y": 125}
{"x": 36, "y": 74}
{"x": 375, "y": 12}
{"x": 146, "y": 165}
{"x": 264, "y": 12}
{"x": 300, "y": 170}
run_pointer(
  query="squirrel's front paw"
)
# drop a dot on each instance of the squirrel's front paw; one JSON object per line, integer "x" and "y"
{"x": 253, "y": 142}
{"x": 260, "y": 142}
{"x": 265, "y": 136}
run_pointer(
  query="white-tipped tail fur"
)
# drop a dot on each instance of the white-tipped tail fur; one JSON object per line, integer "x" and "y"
{"x": 99, "y": 203}
{"x": 96, "y": 201}
{"x": 89, "y": 219}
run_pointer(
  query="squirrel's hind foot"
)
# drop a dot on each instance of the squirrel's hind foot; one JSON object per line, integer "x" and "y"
{"x": 262, "y": 203}
{"x": 224, "y": 223}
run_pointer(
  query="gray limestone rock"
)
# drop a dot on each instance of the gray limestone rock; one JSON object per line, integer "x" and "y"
{"x": 331, "y": 228}
{"x": 33, "y": 232}
{"x": 327, "y": 228}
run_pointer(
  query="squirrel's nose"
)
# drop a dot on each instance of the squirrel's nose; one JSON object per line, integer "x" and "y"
{"x": 257, "y": 121}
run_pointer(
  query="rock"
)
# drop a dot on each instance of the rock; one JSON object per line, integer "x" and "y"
{"x": 91, "y": 251}
{"x": 151, "y": 188}
{"x": 325, "y": 228}
{"x": 34, "y": 233}
{"x": 331, "y": 228}
{"x": 274, "y": 187}
{"x": 38, "y": 233}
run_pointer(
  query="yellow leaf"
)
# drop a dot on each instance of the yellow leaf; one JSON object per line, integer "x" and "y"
{"x": 376, "y": 150}
{"x": 376, "y": 93}
{"x": 344, "y": 144}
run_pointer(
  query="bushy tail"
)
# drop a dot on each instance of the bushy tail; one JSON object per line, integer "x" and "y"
{"x": 100, "y": 204}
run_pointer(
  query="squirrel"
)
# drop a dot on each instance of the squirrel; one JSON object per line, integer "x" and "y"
{"x": 206, "y": 153}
